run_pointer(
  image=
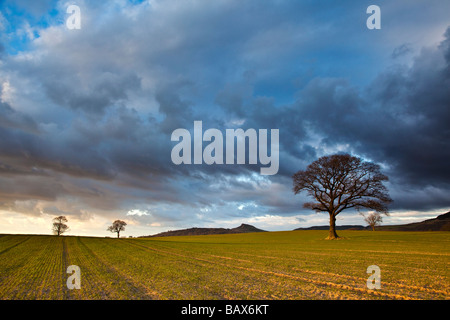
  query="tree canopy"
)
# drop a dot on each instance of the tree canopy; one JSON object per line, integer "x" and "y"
{"x": 373, "y": 219}
{"x": 117, "y": 226}
{"x": 59, "y": 226}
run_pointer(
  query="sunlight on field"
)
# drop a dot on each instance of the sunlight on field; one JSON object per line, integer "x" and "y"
{"x": 269, "y": 265}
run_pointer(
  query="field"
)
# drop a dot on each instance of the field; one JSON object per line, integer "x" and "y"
{"x": 268, "y": 266}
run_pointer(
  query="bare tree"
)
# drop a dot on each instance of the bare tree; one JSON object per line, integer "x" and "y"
{"x": 340, "y": 182}
{"x": 373, "y": 219}
{"x": 59, "y": 226}
{"x": 117, "y": 226}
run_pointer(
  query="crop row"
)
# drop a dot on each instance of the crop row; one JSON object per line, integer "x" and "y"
{"x": 228, "y": 267}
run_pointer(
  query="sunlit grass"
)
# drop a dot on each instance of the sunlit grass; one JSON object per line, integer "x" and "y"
{"x": 270, "y": 265}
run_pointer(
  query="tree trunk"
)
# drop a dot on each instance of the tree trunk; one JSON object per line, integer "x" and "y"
{"x": 118, "y": 234}
{"x": 332, "y": 233}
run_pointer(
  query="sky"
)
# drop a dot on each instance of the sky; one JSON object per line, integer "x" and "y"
{"x": 86, "y": 115}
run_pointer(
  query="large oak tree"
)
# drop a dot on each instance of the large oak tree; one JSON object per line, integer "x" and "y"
{"x": 340, "y": 182}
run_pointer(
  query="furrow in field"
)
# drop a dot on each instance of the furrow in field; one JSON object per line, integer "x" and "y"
{"x": 303, "y": 258}
{"x": 403, "y": 268}
{"x": 199, "y": 275}
{"x": 264, "y": 288}
{"x": 235, "y": 283}
{"x": 289, "y": 276}
{"x": 429, "y": 290}
{"x": 14, "y": 245}
{"x": 390, "y": 266}
{"x": 44, "y": 280}
{"x": 95, "y": 279}
{"x": 49, "y": 283}
{"x": 67, "y": 294}
{"x": 328, "y": 283}
{"x": 23, "y": 278}
{"x": 384, "y": 283}
{"x": 363, "y": 280}
{"x": 122, "y": 280}
{"x": 151, "y": 271}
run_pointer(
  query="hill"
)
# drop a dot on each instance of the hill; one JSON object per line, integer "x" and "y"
{"x": 243, "y": 228}
{"x": 440, "y": 223}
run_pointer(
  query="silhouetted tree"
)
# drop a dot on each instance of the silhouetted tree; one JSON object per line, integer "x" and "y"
{"x": 59, "y": 226}
{"x": 117, "y": 226}
{"x": 340, "y": 182}
{"x": 373, "y": 219}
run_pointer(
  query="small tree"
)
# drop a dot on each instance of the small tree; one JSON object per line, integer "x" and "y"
{"x": 340, "y": 182}
{"x": 117, "y": 226}
{"x": 373, "y": 219}
{"x": 59, "y": 226}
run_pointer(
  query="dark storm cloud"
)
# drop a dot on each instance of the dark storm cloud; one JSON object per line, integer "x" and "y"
{"x": 401, "y": 120}
{"x": 410, "y": 130}
{"x": 106, "y": 90}
{"x": 53, "y": 153}
{"x": 176, "y": 111}
{"x": 401, "y": 50}
{"x": 10, "y": 118}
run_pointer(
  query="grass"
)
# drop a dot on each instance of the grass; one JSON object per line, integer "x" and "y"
{"x": 267, "y": 266}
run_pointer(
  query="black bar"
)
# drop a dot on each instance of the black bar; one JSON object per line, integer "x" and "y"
{"x": 224, "y": 309}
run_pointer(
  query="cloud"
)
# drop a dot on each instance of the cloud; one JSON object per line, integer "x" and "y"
{"x": 137, "y": 212}
{"x": 10, "y": 118}
{"x": 401, "y": 50}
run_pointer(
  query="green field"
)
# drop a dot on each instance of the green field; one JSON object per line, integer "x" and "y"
{"x": 267, "y": 265}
